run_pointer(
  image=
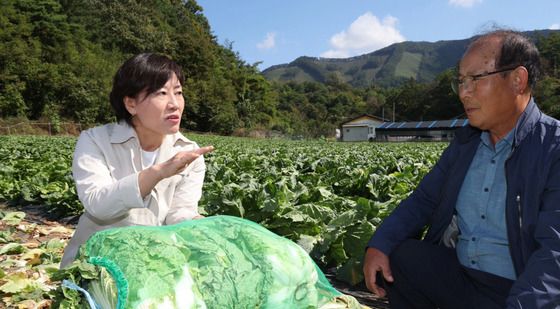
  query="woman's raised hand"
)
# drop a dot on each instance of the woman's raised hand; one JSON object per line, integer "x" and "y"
{"x": 180, "y": 161}
{"x": 148, "y": 178}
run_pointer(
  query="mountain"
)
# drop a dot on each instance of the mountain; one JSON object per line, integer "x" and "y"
{"x": 390, "y": 66}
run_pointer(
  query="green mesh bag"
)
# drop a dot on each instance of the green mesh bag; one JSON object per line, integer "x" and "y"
{"x": 215, "y": 262}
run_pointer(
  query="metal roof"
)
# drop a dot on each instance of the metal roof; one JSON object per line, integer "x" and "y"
{"x": 426, "y": 125}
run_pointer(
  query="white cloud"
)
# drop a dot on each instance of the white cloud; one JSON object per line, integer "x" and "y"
{"x": 554, "y": 27}
{"x": 366, "y": 34}
{"x": 464, "y": 3}
{"x": 268, "y": 42}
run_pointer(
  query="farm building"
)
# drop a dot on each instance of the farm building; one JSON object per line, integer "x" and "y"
{"x": 361, "y": 128}
{"x": 370, "y": 128}
{"x": 438, "y": 130}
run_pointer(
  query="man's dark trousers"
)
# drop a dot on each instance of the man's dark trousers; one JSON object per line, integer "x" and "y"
{"x": 430, "y": 276}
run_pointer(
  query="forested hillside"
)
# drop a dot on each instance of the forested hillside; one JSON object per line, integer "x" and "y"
{"x": 388, "y": 67}
{"x": 57, "y": 59}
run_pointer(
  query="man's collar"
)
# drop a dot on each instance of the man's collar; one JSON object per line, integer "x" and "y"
{"x": 509, "y": 139}
{"x": 526, "y": 121}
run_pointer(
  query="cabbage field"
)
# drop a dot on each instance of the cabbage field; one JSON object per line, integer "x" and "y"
{"x": 326, "y": 196}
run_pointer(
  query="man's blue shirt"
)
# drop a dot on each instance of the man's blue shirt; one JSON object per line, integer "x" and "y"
{"x": 483, "y": 241}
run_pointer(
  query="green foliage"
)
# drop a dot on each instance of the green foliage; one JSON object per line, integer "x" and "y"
{"x": 58, "y": 57}
{"x": 547, "y": 93}
{"x": 77, "y": 272}
{"x": 36, "y": 170}
{"x": 387, "y": 67}
{"x": 548, "y": 96}
{"x": 57, "y": 60}
{"x": 328, "y": 197}
{"x": 549, "y": 48}
{"x": 47, "y": 67}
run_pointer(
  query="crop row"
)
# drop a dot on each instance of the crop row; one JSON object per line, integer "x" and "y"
{"x": 328, "y": 197}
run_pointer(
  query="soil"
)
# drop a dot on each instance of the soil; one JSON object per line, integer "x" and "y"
{"x": 360, "y": 292}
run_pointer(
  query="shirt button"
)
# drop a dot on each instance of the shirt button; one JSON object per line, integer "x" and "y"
{"x": 493, "y": 161}
{"x": 482, "y": 216}
{"x": 473, "y": 262}
{"x": 485, "y": 189}
{"x": 473, "y": 239}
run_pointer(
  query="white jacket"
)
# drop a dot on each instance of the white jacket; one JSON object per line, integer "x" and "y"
{"x": 107, "y": 161}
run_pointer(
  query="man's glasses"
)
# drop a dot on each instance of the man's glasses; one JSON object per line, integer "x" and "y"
{"x": 468, "y": 83}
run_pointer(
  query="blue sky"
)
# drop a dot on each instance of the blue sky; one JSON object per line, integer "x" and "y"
{"x": 277, "y": 32}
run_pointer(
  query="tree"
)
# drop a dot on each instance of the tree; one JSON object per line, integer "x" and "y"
{"x": 407, "y": 100}
{"x": 547, "y": 95}
{"x": 440, "y": 101}
{"x": 549, "y": 48}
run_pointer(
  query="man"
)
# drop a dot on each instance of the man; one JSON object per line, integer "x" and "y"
{"x": 491, "y": 203}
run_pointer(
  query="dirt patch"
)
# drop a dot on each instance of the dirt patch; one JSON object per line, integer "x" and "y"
{"x": 30, "y": 249}
{"x": 360, "y": 292}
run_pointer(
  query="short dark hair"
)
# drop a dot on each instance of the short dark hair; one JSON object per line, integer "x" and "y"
{"x": 145, "y": 71}
{"x": 518, "y": 50}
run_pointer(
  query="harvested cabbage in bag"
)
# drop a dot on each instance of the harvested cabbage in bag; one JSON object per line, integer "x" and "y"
{"x": 215, "y": 262}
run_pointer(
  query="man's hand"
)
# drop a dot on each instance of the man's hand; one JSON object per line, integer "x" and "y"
{"x": 376, "y": 261}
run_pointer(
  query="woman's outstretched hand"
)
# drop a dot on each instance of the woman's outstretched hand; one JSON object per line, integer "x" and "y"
{"x": 148, "y": 178}
{"x": 180, "y": 161}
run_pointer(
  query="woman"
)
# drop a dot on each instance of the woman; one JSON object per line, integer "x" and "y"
{"x": 141, "y": 170}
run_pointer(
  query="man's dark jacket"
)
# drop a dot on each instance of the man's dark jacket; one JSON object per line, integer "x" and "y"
{"x": 532, "y": 206}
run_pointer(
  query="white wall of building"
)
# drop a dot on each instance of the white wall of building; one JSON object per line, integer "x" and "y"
{"x": 355, "y": 133}
{"x": 359, "y": 129}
